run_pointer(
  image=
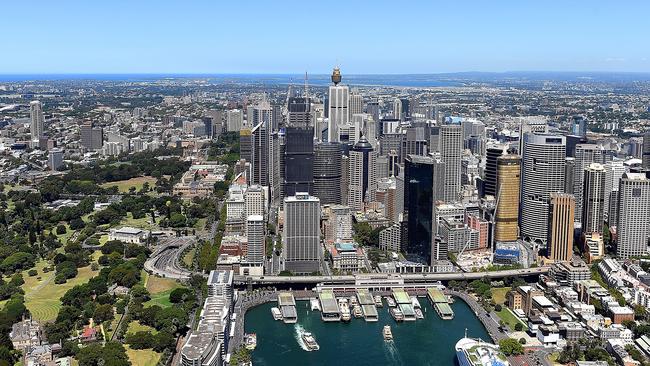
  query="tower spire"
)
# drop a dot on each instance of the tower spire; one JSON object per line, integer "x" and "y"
{"x": 306, "y": 86}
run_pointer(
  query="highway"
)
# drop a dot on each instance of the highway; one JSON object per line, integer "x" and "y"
{"x": 164, "y": 261}
{"x": 407, "y": 277}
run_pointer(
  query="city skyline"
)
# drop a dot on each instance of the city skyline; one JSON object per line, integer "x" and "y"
{"x": 201, "y": 37}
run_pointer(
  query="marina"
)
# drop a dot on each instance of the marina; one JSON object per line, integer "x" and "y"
{"x": 440, "y": 303}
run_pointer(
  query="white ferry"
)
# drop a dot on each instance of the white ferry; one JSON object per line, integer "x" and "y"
{"x": 397, "y": 314}
{"x": 475, "y": 352}
{"x": 391, "y": 302}
{"x": 415, "y": 302}
{"x": 315, "y": 304}
{"x": 357, "y": 311}
{"x": 277, "y": 314}
{"x": 378, "y": 302}
{"x": 250, "y": 340}
{"x": 345, "y": 309}
{"x": 388, "y": 334}
{"x": 310, "y": 341}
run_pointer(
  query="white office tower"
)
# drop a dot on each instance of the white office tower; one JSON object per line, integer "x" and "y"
{"x": 451, "y": 153}
{"x": 543, "y": 174}
{"x": 262, "y": 119}
{"x": 633, "y": 215}
{"x": 37, "y": 126}
{"x": 234, "y": 120}
{"x": 585, "y": 154}
{"x": 362, "y": 174}
{"x": 534, "y": 124}
{"x": 593, "y": 199}
{"x": 254, "y": 201}
{"x": 302, "y": 248}
{"x": 356, "y": 102}
{"x": 55, "y": 159}
{"x": 614, "y": 170}
{"x": 397, "y": 109}
{"x": 255, "y": 237}
{"x": 339, "y": 99}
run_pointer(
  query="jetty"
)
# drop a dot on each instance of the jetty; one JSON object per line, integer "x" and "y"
{"x": 329, "y": 308}
{"x": 404, "y": 303}
{"x": 367, "y": 303}
{"x": 440, "y": 302}
{"x": 287, "y": 305}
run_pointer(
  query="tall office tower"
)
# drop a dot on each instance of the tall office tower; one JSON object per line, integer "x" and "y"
{"x": 345, "y": 179}
{"x": 55, "y": 159}
{"x": 569, "y": 171}
{"x": 299, "y": 113}
{"x": 298, "y": 161}
{"x": 633, "y": 215}
{"x": 234, "y": 120}
{"x": 561, "y": 219}
{"x": 362, "y": 174}
{"x": 256, "y": 238}
{"x": 397, "y": 109}
{"x": 593, "y": 199}
{"x": 356, "y": 103}
{"x": 37, "y": 126}
{"x": 406, "y": 107}
{"x": 571, "y": 142}
{"x": 216, "y": 124}
{"x": 492, "y": 153}
{"x": 585, "y": 155}
{"x": 423, "y": 187}
{"x": 646, "y": 151}
{"x": 434, "y": 139}
{"x": 614, "y": 170}
{"x": 543, "y": 174}
{"x": 451, "y": 153}
{"x": 416, "y": 142}
{"x": 507, "y": 193}
{"x": 339, "y": 99}
{"x": 246, "y": 144}
{"x": 373, "y": 110}
{"x": 327, "y": 172}
{"x": 302, "y": 248}
{"x": 342, "y": 223}
{"x": 533, "y": 124}
{"x": 254, "y": 201}
{"x": 92, "y": 138}
{"x": 276, "y": 167}
{"x": 261, "y": 147}
{"x": 579, "y": 127}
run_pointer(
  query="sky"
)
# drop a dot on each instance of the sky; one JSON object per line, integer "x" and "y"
{"x": 362, "y": 37}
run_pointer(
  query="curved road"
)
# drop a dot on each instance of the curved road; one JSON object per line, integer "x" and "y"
{"x": 164, "y": 261}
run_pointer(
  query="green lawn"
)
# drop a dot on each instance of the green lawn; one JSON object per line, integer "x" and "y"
{"x": 161, "y": 299}
{"x": 159, "y": 290}
{"x": 142, "y": 357}
{"x": 200, "y": 224}
{"x": 137, "y": 182}
{"x": 135, "y": 327}
{"x": 509, "y": 318}
{"x": 142, "y": 223}
{"x": 499, "y": 294}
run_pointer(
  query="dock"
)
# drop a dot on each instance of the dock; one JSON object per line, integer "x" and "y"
{"x": 404, "y": 303}
{"x": 329, "y": 307}
{"x": 367, "y": 303}
{"x": 287, "y": 305}
{"x": 440, "y": 302}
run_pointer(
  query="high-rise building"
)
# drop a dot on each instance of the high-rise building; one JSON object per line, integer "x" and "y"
{"x": 302, "y": 251}
{"x": 338, "y": 99}
{"x": 327, "y": 172}
{"x": 492, "y": 153}
{"x": 299, "y": 113}
{"x": 633, "y": 215}
{"x": 261, "y": 147}
{"x": 507, "y": 193}
{"x": 298, "y": 160}
{"x": 234, "y": 120}
{"x": 362, "y": 175}
{"x": 92, "y": 138}
{"x": 423, "y": 187}
{"x": 246, "y": 144}
{"x": 543, "y": 174}
{"x": 55, "y": 159}
{"x": 256, "y": 238}
{"x": 561, "y": 220}
{"x": 614, "y": 170}
{"x": 415, "y": 141}
{"x": 646, "y": 151}
{"x": 356, "y": 103}
{"x": 451, "y": 153}
{"x": 585, "y": 154}
{"x": 37, "y": 126}
{"x": 397, "y": 109}
{"x": 569, "y": 172}
{"x": 254, "y": 201}
{"x": 593, "y": 199}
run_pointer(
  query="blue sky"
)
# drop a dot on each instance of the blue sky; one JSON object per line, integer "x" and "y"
{"x": 394, "y": 37}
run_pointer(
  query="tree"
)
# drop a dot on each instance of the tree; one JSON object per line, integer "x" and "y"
{"x": 103, "y": 313}
{"x": 60, "y": 229}
{"x": 179, "y": 295}
{"x": 511, "y": 347}
{"x": 519, "y": 327}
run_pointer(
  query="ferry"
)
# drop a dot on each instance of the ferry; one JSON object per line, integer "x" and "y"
{"x": 353, "y": 301}
{"x": 345, "y": 309}
{"x": 391, "y": 302}
{"x": 397, "y": 314}
{"x": 357, "y": 311}
{"x": 250, "y": 340}
{"x": 315, "y": 304}
{"x": 388, "y": 334}
{"x": 418, "y": 314}
{"x": 378, "y": 302}
{"x": 475, "y": 352}
{"x": 415, "y": 302}
{"x": 310, "y": 341}
{"x": 277, "y": 314}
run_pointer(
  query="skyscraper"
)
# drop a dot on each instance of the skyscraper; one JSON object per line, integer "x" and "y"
{"x": 585, "y": 154}
{"x": 362, "y": 178}
{"x": 423, "y": 186}
{"x": 397, "y": 109}
{"x": 339, "y": 99}
{"x": 261, "y": 149}
{"x": 493, "y": 152}
{"x": 299, "y": 113}
{"x": 298, "y": 161}
{"x": 92, "y": 138}
{"x": 646, "y": 151}
{"x": 561, "y": 220}
{"x": 37, "y": 126}
{"x": 614, "y": 170}
{"x": 506, "y": 222}
{"x": 55, "y": 159}
{"x": 451, "y": 152}
{"x": 327, "y": 172}
{"x": 255, "y": 237}
{"x": 234, "y": 120}
{"x": 302, "y": 248}
{"x": 593, "y": 199}
{"x": 543, "y": 174}
{"x": 633, "y": 215}
{"x": 356, "y": 103}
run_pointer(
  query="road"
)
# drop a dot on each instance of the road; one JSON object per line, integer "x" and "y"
{"x": 164, "y": 261}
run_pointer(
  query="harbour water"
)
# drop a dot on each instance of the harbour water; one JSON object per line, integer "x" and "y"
{"x": 429, "y": 341}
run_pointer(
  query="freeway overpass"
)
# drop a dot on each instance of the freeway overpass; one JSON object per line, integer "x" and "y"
{"x": 388, "y": 277}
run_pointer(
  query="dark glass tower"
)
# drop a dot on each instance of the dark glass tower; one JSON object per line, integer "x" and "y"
{"x": 327, "y": 172}
{"x": 298, "y": 161}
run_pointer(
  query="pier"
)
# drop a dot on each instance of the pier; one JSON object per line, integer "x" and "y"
{"x": 440, "y": 302}
{"x": 404, "y": 303}
{"x": 287, "y": 305}
{"x": 329, "y": 307}
{"x": 367, "y": 303}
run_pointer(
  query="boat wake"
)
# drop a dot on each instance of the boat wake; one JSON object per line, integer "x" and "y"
{"x": 299, "y": 330}
{"x": 393, "y": 353}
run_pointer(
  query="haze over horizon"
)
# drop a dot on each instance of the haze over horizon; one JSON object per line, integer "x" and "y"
{"x": 289, "y": 37}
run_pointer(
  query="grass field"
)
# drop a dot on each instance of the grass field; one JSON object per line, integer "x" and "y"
{"x": 499, "y": 294}
{"x": 161, "y": 299}
{"x": 509, "y": 318}
{"x": 156, "y": 285}
{"x": 137, "y": 182}
{"x": 142, "y": 357}
{"x": 142, "y": 223}
{"x": 42, "y": 296}
{"x": 135, "y": 327}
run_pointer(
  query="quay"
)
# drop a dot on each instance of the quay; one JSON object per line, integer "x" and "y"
{"x": 329, "y": 307}
{"x": 287, "y": 305}
{"x": 404, "y": 304}
{"x": 367, "y": 303}
{"x": 440, "y": 302}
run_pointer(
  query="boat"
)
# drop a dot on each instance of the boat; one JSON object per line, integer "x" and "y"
{"x": 345, "y": 309}
{"x": 277, "y": 314}
{"x": 415, "y": 302}
{"x": 397, "y": 314}
{"x": 310, "y": 341}
{"x": 391, "y": 302}
{"x": 418, "y": 314}
{"x": 378, "y": 302}
{"x": 388, "y": 334}
{"x": 250, "y": 340}
{"x": 357, "y": 311}
{"x": 353, "y": 301}
{"x": 475, "y": 352}
{"x": 315, "y": 304}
